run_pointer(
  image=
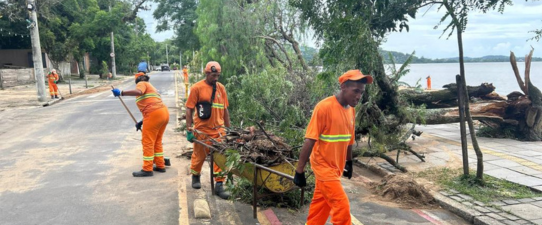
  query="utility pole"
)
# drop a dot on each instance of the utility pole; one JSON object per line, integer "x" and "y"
{"x": 113, "y": 67}
{"x": 167, "y": 56}
{"x": 36, "y": 51}
{"x": 149, "y": 65}
{"x": 181, "y": 60}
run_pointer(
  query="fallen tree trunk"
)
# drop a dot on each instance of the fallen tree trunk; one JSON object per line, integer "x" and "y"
{"x": 493, "y": 111}
{"x": 448, "y": 97}
{"x": 518, "y": 114}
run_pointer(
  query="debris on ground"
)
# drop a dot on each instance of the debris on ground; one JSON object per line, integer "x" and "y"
{"x": 256, "y": 146}
{"x": 403, "y": 190}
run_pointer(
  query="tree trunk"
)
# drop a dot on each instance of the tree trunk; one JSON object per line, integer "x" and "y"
{"x": 459, "y": 31}
{"x": 463, "y": 130}
{"x": 289, "y": 37}
{"x": 81, "y": 70}
{"x": 448, "y": 97}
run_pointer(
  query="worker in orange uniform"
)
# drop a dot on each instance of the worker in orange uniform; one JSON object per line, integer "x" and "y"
{"x": 52, "y": 78}
{"x": 155, "y": 118}
{"x": 428, "y": 82}
{"x": 185, "y": 74}
{"x": 209, "y": 100}
{"x": 328, "y": 141}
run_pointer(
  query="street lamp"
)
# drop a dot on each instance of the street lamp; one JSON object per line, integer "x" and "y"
{"x": 30, "y": 6}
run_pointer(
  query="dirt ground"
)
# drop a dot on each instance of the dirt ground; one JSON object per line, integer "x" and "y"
{"x": 407, "y": 190}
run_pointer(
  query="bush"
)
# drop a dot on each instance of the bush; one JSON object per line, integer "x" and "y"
{"x": 274, "y": 96}
{"x": 95, "y": 68}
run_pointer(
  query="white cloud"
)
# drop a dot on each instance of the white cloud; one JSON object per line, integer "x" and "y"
{"x": 501, "y": 46}
{"x": 492, "y": 33}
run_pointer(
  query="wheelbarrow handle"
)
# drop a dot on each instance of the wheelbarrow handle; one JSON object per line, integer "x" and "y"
{"x": 289, "y": 177}
{"x": 206, "y": 145}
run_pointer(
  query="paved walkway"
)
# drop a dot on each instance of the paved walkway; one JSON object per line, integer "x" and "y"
{"x": 516, "y": 161}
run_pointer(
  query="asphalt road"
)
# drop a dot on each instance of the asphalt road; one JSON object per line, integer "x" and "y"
{"x": 71, "y": 163}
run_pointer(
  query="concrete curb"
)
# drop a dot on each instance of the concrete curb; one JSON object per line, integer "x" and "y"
{"x": 456, "y": 207}
{"x": 51, "y": 102}
{"x": 375, "y": 169}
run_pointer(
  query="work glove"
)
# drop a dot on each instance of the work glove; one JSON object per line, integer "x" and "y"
{"x": 190, "y": 136}
{"x": 139, "y": 125}
{"x": 300, "y": 180}
{"x": 348, "y": 169}
{"x": 116, "y": 92}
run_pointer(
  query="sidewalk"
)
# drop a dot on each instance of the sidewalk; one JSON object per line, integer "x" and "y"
{"x": 516, "y": 161}
{"x": 26, "y": 95}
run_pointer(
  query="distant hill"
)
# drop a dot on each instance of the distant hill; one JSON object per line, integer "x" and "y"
{"x": 309, "y": 53}
{"x": 400, "y": 58}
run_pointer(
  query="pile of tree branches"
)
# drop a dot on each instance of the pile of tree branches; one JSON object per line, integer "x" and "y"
{"x": 256, "y": 146}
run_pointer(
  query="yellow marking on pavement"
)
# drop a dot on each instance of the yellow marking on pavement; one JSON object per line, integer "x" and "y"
{"x": 503, "y": 155}
{"x": 262, "y": 219}
{"x": 355, "y": 221}
{"x": 183, "y": 200}
{"x": 176, "y": 92}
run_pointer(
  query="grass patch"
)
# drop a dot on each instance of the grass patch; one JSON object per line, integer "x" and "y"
{"x": 492, "y": 189}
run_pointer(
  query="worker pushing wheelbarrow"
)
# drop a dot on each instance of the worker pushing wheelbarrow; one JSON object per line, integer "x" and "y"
{"x": 254, "y": 148}
{"x": 264, "y": 158}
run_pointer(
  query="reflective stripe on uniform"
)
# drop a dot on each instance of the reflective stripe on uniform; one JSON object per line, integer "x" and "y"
{"x": 145, "y": 96}
{"x": 158, "y": 154}
{"x": 335, "y": 138}
{"x": 145, "y": 158}
{"x": 194, "y": 172}
{"x": 218, "y": 105}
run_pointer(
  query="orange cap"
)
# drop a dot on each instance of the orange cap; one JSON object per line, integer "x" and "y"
{"x": 210, "y": 65}
{"x": 354, "y": 75}
{"x": 138, "y": 75}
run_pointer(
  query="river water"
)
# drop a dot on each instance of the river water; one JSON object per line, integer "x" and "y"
{"x": 498, "y": 73}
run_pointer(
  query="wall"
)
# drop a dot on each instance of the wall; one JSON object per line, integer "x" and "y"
{"x": 20, "y": 58}
{"x": 64, "y": 68}
{"x": 14, "y": 77}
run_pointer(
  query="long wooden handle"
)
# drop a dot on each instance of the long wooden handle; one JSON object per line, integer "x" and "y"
{"x": 135, "y": 121}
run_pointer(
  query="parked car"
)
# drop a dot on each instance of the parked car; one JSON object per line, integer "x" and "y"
{"x": 164, "y": 68}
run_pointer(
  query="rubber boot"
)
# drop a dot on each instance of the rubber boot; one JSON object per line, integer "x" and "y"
{"x": 196, "y": 184}
{"x": 142, "y": 173}
{"x": 219, "y": 190}
{"x": 161, "y": 170}
{"x": 56, "y": 96}
{"x": 52, "y": 97}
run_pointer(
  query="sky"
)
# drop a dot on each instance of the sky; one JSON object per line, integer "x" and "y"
{"x": 492, "y": 33}
{"x": 151, "y": 24}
